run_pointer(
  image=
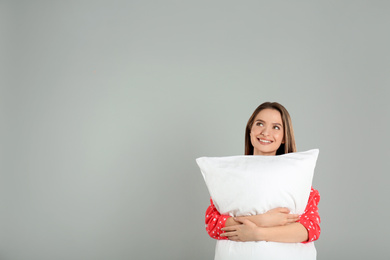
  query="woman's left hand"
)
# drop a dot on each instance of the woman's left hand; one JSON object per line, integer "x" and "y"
{"x": 247, "y": 231}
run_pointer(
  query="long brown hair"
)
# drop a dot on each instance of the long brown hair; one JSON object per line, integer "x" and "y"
{"x": 289, "y": 140}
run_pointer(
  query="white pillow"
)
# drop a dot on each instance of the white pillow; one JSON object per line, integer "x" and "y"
{"x": 249, "y": 185}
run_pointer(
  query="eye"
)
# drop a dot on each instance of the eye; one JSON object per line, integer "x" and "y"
{"x": 277, "y": 127}
{"x": 259, "y": 124}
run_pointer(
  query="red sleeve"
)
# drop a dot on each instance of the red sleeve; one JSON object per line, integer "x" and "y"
{"x": 215, "y": 221}
{"x": 310, "y": 219}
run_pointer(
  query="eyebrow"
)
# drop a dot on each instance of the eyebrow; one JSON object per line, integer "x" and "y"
{"x": 262, "y": 121}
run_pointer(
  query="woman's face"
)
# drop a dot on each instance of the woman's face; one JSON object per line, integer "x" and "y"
{"x": 267, "y": 132}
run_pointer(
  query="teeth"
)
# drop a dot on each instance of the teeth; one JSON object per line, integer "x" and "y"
{"x": 265, "y": 141}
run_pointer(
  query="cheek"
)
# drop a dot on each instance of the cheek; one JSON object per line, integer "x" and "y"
{"x": 255, "y": 130}
{"x": 253, "y": 139}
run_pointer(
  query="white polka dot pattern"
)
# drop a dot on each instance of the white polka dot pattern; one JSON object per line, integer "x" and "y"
{"x": 310, "y": 219}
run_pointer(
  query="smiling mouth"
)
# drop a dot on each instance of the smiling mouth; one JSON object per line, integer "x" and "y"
{"x": 262, "y": 141}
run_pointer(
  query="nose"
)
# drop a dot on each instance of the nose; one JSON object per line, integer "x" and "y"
{"x": 264, "y": 132}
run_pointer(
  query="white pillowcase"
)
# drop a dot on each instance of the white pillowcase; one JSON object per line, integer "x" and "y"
{"x": 250, "y": 185}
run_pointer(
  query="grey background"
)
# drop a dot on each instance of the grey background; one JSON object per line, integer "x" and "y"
{"x": 106, "y": 104}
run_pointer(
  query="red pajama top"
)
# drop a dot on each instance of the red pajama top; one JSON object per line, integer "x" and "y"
{"x": 310, "y": 219}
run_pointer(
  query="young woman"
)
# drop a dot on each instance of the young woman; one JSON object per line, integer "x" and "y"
{"x": 268, "y": 132}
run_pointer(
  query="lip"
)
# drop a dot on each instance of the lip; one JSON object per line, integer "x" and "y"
{"x": 264, "y": 141}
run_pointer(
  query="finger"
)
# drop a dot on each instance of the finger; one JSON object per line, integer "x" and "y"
{"x": 231, "y": 228}
{"x": 292, "y": 220}
{"x": 228, "y": 234}
{"x": 239, "y": 219}
{"x": 293, "y": 216}
{"x": 234, "y": 238}
{"x": 284, "y": 210}
{"x": 248, "y": 222}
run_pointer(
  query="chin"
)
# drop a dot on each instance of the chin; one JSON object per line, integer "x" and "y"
{"x": 267, "y": 152}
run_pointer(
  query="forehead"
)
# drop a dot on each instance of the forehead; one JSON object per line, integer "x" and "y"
{"x": 269, "y": 115}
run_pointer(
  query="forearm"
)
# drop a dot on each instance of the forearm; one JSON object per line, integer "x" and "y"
{"x": 292, "y": 233}
{"x": 272, "y": 218}
{"x": 257, "y": 219}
